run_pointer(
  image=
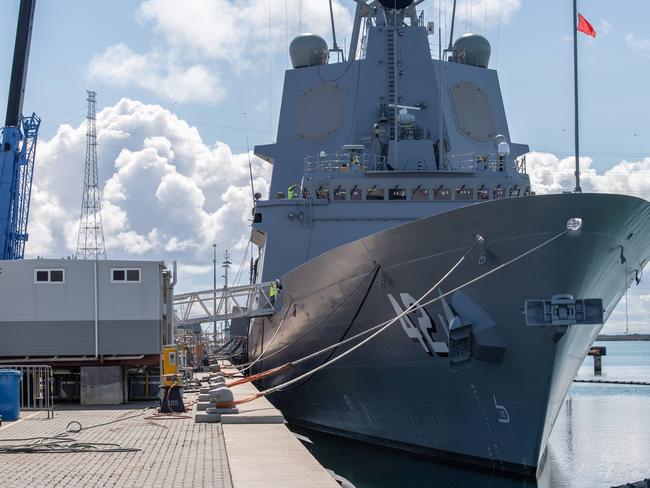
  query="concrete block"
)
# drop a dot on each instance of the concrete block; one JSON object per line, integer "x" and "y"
{"x": 260, "y": 418}
{"x": 102, "y": 385}
{"x": 206, "y": 418}
{"x": 203, "y": 406}
{"x": 221, "y": 411}
{"x": 204, "y": 397}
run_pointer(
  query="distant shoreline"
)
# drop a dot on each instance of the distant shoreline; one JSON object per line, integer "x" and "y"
{"x": 622, "y": 337}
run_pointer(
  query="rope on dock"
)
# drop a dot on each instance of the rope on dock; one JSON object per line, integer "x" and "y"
{"x": 63, "y": 443}
{"x": 385, "y": 325}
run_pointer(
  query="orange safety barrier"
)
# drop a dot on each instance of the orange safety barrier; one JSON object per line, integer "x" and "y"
{"x": 259, "y": 376}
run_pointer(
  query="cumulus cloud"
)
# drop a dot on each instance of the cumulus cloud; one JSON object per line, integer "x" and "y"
{"x": 549, "y": 174}
{"x": 238, "y": 31}
{"x": 196, "y": 41}
{"x": 159, "y": 72}
{"x": 638, "y": 44}
{"x": 166, "y": 193}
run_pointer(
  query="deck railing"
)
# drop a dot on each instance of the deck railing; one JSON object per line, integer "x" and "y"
{"x": 328, "y": 164}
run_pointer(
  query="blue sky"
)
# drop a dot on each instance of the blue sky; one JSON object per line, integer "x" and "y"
{"x": 201, "y": 78}
{"x": 532, "y": 53}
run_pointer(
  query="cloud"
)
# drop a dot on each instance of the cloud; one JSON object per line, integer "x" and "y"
{"x": 196, "y": 43}
{"x": 475, "y": 14}
{"x": 605, "y": 28}
{"x": 159, "y": 72}
{"x": 549, "y": 174}
{"x": 246, "y": 28}
{"x": 166, "y": 193}
{"x": 638, "y": 44}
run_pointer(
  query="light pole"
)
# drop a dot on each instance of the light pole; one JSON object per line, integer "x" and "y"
{"x": 226, "y": 266}
{"x": 214, "y": 296}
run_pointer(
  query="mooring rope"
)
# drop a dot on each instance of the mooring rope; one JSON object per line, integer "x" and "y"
{"x": 385, "y": 325}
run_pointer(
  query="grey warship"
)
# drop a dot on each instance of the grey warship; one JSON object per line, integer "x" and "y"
{"x": 389, "y": 166}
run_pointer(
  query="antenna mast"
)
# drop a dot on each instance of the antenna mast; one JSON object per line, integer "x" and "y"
{"x": 335, "y": 48}
{"x": 453, "y": 22}
{"x": 90, "y": 243}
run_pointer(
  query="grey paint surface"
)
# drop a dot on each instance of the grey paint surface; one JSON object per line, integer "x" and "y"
{"x": 436, "y": 410}
{"x": 47, "y": 319}
{"x": 341, "y": 262}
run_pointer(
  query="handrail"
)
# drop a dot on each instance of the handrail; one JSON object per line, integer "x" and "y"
{"x": 327, "y": 164}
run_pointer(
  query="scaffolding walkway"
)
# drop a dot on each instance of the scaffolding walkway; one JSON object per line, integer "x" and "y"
{"x": 246, "y": 301}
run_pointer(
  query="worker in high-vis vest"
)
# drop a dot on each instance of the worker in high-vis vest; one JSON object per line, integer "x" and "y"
{"x": 291, "y": 192}
{"x": 274, "y": 291}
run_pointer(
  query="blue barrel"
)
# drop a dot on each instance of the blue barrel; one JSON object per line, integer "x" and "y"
{"x": 9, "y": 394}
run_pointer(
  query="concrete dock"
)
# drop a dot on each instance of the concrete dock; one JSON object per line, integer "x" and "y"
{"x": 249, "y": 450}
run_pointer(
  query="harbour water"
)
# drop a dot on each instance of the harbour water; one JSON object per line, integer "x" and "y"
{"x": 601, "y": 439}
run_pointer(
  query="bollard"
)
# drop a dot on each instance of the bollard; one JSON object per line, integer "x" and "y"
{"x": 598, "y": 352}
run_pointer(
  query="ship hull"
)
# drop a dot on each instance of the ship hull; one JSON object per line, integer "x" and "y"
{"x": 402, "y": 389}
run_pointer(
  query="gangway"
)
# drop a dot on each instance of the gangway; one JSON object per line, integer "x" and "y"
{"x": 247, "y": 301}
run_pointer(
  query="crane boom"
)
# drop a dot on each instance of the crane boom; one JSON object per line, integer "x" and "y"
{"x": 17, "y": 152}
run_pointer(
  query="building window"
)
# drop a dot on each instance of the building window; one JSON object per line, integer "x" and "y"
{"x": 125, "y": 275}
{"x": 49, "y": 276}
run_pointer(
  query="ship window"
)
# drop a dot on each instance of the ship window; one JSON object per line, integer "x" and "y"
{"x": 375, "y": 193}
{"x": 124, "y": 275}
{"x": 397, "y": 194}
{"x": 498, "y": 193}
{"x": 420, "y": 193}
{"x": 515, "y": 191}
{"x": 323, "y": 193}
{"x": 482, "y": 193}
{"x": 442, "y": 193}
{"x": 464, "y": 193}
{"x": 340, "y": 193}
{"x": 49, "y": 276}
{"x": 355, "y": 194}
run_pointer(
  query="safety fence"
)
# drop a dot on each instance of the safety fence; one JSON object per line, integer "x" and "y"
{"x": 36, "y": 385}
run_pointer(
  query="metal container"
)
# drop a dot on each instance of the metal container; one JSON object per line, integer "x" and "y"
{"x": 9, "y": 394}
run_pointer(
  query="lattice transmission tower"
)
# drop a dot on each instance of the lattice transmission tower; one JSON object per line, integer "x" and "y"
{"x": 90, "y": 243}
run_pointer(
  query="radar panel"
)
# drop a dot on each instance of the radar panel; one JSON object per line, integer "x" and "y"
{"x": 473, "y": 111}
{"x": 319, "y": 111}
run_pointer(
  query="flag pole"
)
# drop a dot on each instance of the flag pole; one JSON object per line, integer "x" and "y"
{"x": 576, "y": 104}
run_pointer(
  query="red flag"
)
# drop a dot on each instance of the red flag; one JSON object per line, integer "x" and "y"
{"x": 585, "y": 27}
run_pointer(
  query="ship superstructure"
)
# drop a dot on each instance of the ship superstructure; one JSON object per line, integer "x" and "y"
{"x": 388, "y": 167}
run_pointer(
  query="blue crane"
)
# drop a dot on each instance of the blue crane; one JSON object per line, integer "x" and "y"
{"x": 18, "y": 150}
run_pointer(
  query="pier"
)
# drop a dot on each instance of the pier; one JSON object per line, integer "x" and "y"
{"x": 132, "y": 446}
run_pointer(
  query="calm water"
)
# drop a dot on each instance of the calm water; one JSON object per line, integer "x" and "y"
{"x": 601, "y": 438}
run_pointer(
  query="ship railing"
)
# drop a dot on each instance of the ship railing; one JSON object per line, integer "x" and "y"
{"x": 340, "y": 163}
{"x": 36, "y": 387}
